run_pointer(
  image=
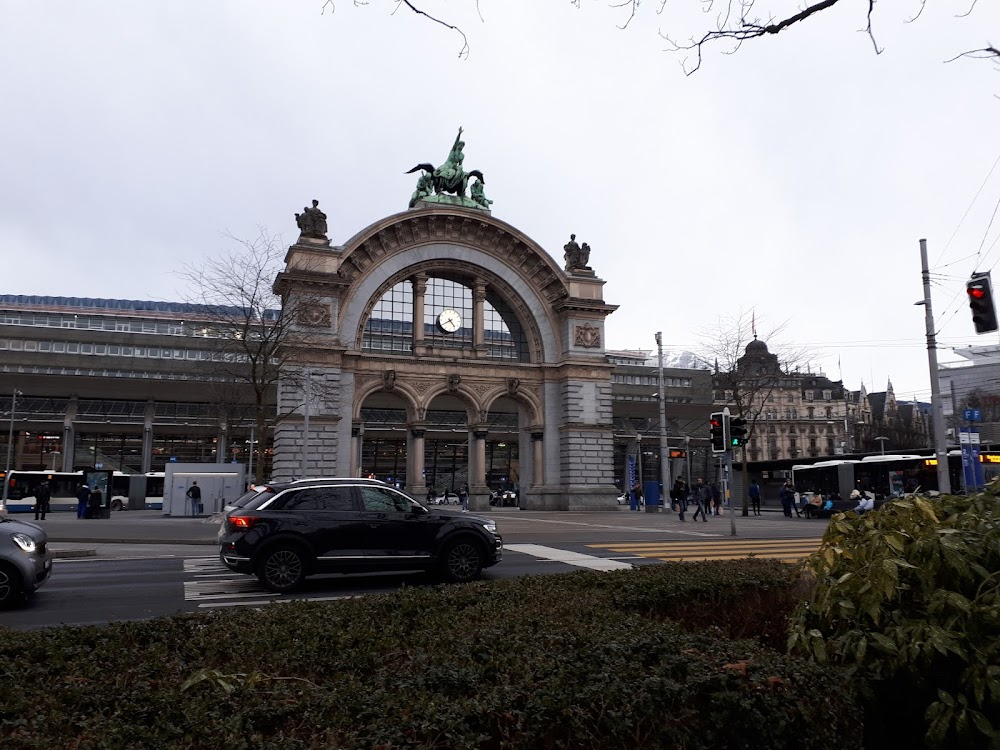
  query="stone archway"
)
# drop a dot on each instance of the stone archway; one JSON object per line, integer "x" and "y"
{"x": 527, "y": 339}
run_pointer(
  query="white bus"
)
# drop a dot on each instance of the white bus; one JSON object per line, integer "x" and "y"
{"x": 884, "y": 476}
{"x": 63, "y": 486}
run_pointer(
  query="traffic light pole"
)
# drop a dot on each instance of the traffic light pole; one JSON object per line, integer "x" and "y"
{"x": 664, "y": 448}
{"x": 940, "y": 439}
{"x": 729, "y": 492}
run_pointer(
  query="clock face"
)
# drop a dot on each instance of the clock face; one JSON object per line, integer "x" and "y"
{"x": 449, "y": 321}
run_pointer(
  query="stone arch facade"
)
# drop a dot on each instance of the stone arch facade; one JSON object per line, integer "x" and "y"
{"x": 560, "y": 384}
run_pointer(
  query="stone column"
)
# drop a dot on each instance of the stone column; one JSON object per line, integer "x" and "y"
{"x": 357, "y": 444}
{"x": 478, "y": 325}
{"x": 220, "y": 444}
{"x": 538, "y": 457}
{"x": 415, "y": 459}
{"x": 419, "y": 292}
{"x": 147, "y": 437}
{"x": 479, "y": 491}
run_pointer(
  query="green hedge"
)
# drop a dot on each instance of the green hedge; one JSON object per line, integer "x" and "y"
{"x": 585, "y": 660}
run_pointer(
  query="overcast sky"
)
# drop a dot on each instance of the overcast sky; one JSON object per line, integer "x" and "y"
{"x": 794, "y": 178}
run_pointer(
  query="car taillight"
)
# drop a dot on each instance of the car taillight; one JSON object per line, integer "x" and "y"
{"x": 242, "y": 523}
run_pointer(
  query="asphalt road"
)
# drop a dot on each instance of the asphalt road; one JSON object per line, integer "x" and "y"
{"x": 140, "y": 565}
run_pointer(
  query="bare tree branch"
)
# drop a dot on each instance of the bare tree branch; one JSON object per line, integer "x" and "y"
{"x": 256, "y": 332}
{"x": 462, "y": 53}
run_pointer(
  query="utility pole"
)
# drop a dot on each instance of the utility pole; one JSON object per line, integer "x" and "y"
{"x": 10, "y": 452}
{"x": 664, "y": 448}
{"x": 940, "y": 439}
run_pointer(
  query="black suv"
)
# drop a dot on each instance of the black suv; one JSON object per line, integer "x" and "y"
{"x": 290, "y": 531}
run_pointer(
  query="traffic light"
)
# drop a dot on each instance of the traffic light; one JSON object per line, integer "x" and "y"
{"x": 984, "y": 314}
{"x": 718, "y": 424}
{"x": 737, "y": 431}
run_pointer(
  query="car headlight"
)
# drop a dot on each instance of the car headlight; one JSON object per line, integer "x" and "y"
{"x": 490, "y": 526}
{"x": 24, "y": 542}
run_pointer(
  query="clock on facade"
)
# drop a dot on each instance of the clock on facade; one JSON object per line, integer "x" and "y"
{"x": 449, "y": 321}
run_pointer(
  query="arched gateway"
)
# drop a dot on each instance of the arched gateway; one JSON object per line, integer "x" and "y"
{"x": 446, "y": 348}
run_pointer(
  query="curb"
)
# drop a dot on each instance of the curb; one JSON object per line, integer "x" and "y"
{"x": 64, "y": 554}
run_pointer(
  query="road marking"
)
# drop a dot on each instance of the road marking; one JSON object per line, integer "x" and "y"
{"x": 578, "y": 559}
{"x": 640, "y": 529}
{"x": 787, "y": 550}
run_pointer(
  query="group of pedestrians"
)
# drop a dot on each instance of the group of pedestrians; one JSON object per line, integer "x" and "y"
{"x": 707, "y": 499}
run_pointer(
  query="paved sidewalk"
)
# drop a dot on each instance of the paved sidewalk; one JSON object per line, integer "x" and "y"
{"x": 127, "y": 527}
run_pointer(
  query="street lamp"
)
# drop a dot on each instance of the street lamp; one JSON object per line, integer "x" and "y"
{"x": 881, "y": 443}
{"x": 10, "y": 446}
{"x": 664, "y": 448}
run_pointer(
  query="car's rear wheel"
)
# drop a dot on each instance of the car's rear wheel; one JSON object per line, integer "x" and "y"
{"x": 282, "y": 569}
{"x": 11, "y": 586}
{"x": 116, "y": 505}
{"x": 462, "y": 561}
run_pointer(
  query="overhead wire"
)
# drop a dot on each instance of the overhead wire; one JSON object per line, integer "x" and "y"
{"x": 971, "y": 204}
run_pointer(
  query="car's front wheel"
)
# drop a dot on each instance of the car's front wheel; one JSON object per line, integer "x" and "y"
{"x": 462, "y": 561}
{"x": 116, "y": 504}
{"x": 11, "y": 586}
{"x": 282, "y": 569}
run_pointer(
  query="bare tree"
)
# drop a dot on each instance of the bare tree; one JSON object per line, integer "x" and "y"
{"x": 746, "y": 372}
{"x": 732, "y": 22}
{"x": 254, "y": 335}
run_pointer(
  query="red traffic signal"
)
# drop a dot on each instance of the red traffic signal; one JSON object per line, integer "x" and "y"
{"x": 980, "y": 292}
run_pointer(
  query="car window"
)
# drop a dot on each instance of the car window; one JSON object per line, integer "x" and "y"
{"x": 381, "y": 499}
{"x": 338, "y": 498}
{"x": 255, "y": 502}
{"x": 245, "y": 498}
{"x": 311, "y": 499}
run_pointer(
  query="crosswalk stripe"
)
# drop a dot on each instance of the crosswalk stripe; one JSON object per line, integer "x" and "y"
{"x": 627, "y": 546}
{"x": 786, "y": 550}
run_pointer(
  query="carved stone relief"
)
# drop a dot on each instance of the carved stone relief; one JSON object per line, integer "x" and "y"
{"x": 587, "y": 336}
{"x": 315, "y": 315}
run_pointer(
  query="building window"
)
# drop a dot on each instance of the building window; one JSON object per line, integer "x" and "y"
{"x": 728, "y": 395}
{"x": 809, "y": 412}
{"x": 809, "y": 395}
{"x": 827, "y": 395}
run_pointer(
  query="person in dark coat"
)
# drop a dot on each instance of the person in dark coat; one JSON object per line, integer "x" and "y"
{"x": 82, "y": 498}
{"x": 787, "y": 497}
{"x": 755, "y": 497}
{"x": 94, "y": 502}
{"x": 42, "y": 497}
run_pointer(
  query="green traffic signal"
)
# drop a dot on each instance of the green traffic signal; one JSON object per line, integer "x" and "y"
{"x": 737, "y": 432}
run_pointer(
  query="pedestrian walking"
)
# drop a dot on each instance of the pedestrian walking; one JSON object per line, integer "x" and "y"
{"x": 637, "y": 492}
{"x": 702, "y": 495}
{"x": 755, "y": 497}
{"x": 787, "y": 497}
{"x": 194, "y": 495}
{"x": 716, "y": 497}
{"x": 82, "y": 498}
{"x": 678, "y": 495}
{"x": 463, "y": 496}
{"x": 42, "y": 497}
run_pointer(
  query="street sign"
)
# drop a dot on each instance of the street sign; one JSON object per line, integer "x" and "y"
{"x": 972, "y": 415}
{"x": 98, "y": 466}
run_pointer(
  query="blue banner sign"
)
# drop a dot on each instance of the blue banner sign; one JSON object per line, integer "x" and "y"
{"x": 972, "y": 415}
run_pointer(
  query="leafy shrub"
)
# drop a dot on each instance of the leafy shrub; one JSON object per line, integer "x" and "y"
{"x": 908, "y": 598}
{"x": 585, "y": 660}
